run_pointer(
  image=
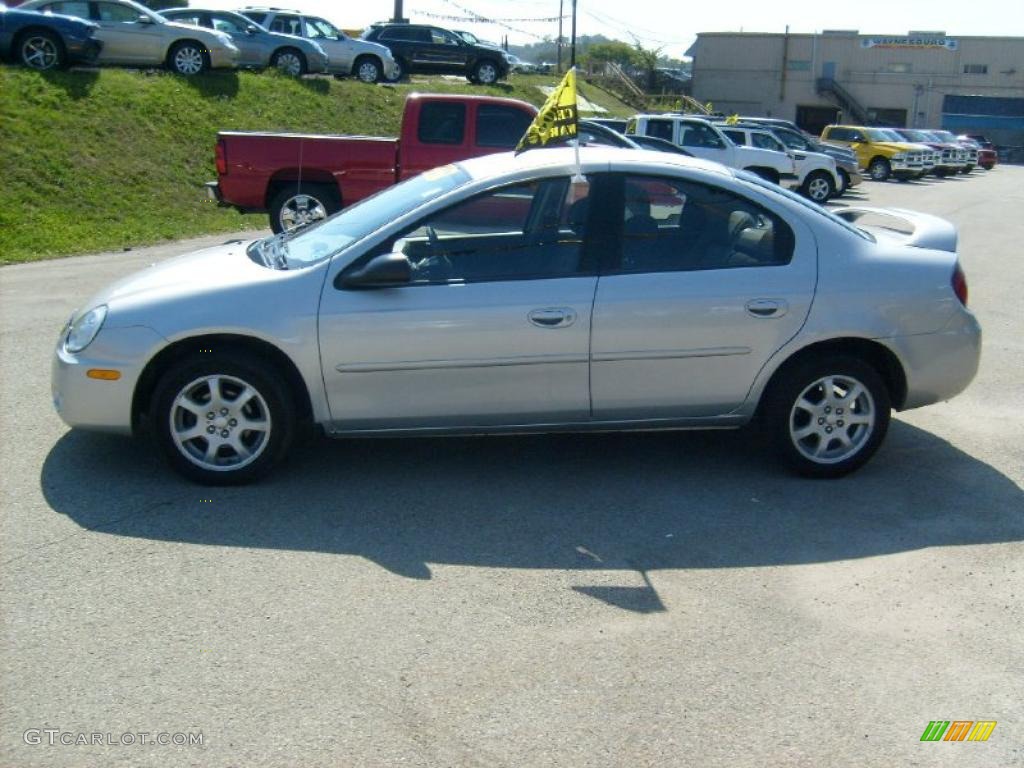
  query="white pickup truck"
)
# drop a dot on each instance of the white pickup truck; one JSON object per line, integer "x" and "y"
{"x": 817, "y": 172}
{"x": 702, "y": 138}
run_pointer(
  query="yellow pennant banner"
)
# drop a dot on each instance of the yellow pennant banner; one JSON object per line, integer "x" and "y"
{"x": 557, "y": 119}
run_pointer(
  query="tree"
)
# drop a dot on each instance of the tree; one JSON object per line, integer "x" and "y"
{"x": 646, "y": 59}
{"x": 611, "y": 52}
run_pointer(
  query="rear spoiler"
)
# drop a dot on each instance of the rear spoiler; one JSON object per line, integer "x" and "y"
{"x": 927, "y": 231}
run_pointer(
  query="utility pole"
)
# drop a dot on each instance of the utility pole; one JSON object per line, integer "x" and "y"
{"x": 558, "y": 45}
{"x": 572, "y": 51}
{"x": 398, "y": 18}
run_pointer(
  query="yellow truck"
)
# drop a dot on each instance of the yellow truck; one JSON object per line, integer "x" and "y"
{"x": 877, "y": 153}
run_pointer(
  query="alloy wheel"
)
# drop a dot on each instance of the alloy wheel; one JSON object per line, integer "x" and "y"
{"x": 300, "y": 210}
{"x": 487, "y": 73}
{"x": 818, "y": 189}
{"x": 368, "y": 72}
{"x": 40, "y": 53}
{"x": 832, "y": 419}
{"x": 290, "y": 64}
{"x": 188, "y": 60}
{"x": 220, "y": 423}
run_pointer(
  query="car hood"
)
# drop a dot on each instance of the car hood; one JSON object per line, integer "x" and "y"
{"x": 370, "y": 47}
{"x": 207, "y": 34}
{"x": 208, "y": 271}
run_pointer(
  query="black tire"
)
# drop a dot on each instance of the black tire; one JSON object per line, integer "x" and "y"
{"x": 188, "y": 58}
{"x": 295, "y": 206}
{"x": 486, "y": 72}
{"x": 271, "y": 405}
{"x": 368, "y": 69}
{"x": 880, "y": 169}
{"x": 41, "y": 50}
{"x": 785, "y": 419}
{"x": 819, "y": 187}
{"x": 290, "y": 61}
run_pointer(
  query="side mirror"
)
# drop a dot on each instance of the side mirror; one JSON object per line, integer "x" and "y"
{"x": 384, "y": 271}
{"x": 251, "y": 30}
{"x": 143, "y": 19}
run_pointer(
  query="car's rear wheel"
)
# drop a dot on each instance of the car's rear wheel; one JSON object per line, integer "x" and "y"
{"x": 828, "y": 416}
{"x": 819, "y": 187}
{"x": 368, "y": 69}
{"x": 880, "y": 169}
{"x": 222, "y": 419}
{"x": 291, "y": 62}
{"x": 485, "y": 73}
{"x": 294, "y": 207}
{"x": 188, "y": 58}
{"x": 41, "y": 50}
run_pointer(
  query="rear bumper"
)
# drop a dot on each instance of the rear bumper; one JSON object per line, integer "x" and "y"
{"x": 214, "y": 194}
{"x": 940, "y": 365}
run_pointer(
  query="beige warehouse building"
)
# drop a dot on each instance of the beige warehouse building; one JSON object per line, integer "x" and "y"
{"x": 922, "y": 79}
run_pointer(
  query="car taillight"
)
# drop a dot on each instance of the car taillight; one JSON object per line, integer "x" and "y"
{"x": 960, "y": 285}
{"x": 221, "y": 158}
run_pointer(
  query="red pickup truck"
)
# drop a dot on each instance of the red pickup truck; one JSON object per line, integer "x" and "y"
{"x": 300, "y": 178}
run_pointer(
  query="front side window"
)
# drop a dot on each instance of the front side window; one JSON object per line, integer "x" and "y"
{"x": 525, "y": 231}
{"x": 188, "y": 18}
{"x": 701, "y": 136}
{"x": 228, "y": 25}
{"x": 319, "y": 29}
{"x": 122, "y": 14}
{"x": 671, "y": 225}
{"x": 793, "y": 140}
{"x": 440, "y": 37}
{"x": 766, "y": 141}
{"x": 500, "y": 126}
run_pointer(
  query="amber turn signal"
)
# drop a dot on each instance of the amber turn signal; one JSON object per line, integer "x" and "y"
{"x": 104, "y": 374}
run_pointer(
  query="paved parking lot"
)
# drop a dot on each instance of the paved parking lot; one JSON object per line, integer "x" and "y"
{"x": 601, "y": 600}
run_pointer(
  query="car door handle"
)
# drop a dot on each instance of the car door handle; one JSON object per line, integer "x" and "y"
{"x": 552, "y": 317}
{"x": 767, "y": 307}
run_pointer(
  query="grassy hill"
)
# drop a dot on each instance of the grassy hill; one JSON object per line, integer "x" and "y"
{"x": 98, "y": 160}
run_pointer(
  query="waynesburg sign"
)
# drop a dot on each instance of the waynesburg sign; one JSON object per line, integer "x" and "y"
{"x": 914, "y": 41}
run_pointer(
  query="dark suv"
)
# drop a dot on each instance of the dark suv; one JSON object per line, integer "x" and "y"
{"x": 425, "y": 49}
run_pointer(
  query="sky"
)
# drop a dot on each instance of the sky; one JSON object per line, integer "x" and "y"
{"x": 673, "y": 24}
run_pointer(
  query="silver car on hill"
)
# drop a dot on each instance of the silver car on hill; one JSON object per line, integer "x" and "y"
{"x": 641, "y": 290}
{"x": 134, "y": 35}
{"x": 258, "y": 48}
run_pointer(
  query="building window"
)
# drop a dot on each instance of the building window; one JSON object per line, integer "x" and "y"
{"x": 975, "y": 69}
{"x": 799, "y": 65}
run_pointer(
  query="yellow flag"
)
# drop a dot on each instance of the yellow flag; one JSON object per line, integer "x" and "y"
{"x": 557, "y": 119}
{"x": 732, "y": 119}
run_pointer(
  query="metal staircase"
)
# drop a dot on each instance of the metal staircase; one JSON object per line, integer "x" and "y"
{"x": 827, "y": 86}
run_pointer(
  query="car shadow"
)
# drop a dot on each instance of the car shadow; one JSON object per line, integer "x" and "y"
{"x": 77, "y": 83}
{"x": 635, "y": 502}
{"x": 214, "y": 84}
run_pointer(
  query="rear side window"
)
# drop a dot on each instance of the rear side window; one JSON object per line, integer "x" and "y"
{"x": 498, "y": 126}
{"x": 289, "y": 25}
{"x": 442, "y": 123}
{"x": 259, "y": 18}
{"x": 671, "y": 225}
{"x": 660, "y": 129}
{"x": 406, "y": 34}
{"x": 81, "y": 10}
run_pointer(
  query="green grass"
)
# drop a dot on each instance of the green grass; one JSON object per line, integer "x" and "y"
{"x": 110, "y": 159}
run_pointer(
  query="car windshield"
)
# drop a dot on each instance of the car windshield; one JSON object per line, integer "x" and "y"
{"x": 916, "y": 135}
{"x": 308, "y": 246}
{"x": 802, "y": 201}
{"x": 945, "y": 135}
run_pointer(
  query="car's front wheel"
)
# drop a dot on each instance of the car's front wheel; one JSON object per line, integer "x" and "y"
{"x": 368, "y": 69}
{"x": 188, "y": 58}
{"x": 221, "y": 419}
{"x": 41, "y": 50}
{"x": 827, "y": 416}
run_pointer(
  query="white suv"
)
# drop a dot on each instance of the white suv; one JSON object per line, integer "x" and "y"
{"x": 370, "y": 62}
{"x": 817, "y": 172}
{"x": 702, "y": 138}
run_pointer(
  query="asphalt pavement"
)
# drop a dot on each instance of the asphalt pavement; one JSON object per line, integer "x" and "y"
{"x": 663, "y": 599}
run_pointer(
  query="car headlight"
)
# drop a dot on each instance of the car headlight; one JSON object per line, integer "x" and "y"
{"x": 84, "y": 329}
{"x": 900, "y": 156}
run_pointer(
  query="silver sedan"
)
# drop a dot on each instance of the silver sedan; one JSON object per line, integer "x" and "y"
{"x": 640, "y": 290}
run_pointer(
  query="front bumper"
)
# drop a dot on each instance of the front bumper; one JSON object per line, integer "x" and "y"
{"x": 93, "y": 404}
{"x": 83, "y": 51}
{"x": 223, "y": 58}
